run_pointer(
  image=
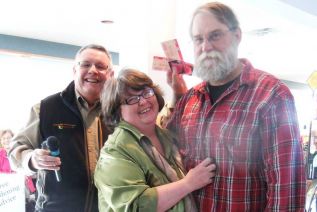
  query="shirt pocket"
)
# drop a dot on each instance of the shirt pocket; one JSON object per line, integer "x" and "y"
{"x": 64, "y": 126}
{"x": 63, "y": 129}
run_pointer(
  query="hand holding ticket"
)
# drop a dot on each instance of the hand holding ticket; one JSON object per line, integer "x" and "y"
{"x": 181, "y": 67}
{"x": 174, "y": 59}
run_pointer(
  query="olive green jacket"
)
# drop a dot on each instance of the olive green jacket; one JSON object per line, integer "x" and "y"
{"x": 126, "y": 177}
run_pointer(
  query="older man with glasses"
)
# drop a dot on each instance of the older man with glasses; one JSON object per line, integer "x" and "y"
{"x": 73, "y": 117}
{"x": 242, "y": 117}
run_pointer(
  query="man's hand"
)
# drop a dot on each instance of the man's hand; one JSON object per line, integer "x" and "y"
{"x": 177, "y": 83}
{"x": 41, "y": 159}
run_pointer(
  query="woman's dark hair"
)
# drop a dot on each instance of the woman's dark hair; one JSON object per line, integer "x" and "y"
{"x": 115, "y": 91}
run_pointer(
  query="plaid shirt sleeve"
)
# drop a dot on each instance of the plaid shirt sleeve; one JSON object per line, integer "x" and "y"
{"x": 283, "y": 156}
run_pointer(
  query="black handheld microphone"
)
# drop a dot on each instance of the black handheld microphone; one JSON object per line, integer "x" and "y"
{"x": 52, "y": 144}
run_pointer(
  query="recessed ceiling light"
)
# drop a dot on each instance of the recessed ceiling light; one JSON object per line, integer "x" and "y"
{"x": 107, "y": 21}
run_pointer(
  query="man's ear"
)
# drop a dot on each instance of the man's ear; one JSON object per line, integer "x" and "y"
{"x": 238, "y": 34}
{"x": 111, "y": 73}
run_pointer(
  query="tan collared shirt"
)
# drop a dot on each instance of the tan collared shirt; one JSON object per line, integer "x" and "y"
{"x": 92, "y": 125}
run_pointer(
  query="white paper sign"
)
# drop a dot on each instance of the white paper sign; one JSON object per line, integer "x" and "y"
{"x": 12, "y": 192}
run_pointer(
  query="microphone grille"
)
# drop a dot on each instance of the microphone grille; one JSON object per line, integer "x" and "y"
{"x": 52, "y": 143}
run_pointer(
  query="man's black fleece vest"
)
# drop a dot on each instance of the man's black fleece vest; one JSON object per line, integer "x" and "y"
{"x": 60, "y": 117}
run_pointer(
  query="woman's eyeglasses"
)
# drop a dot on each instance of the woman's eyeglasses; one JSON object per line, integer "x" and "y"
{"x": 147, "y": 93}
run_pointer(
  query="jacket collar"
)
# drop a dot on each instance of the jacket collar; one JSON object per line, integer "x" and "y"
{"x": 166, "y": 137}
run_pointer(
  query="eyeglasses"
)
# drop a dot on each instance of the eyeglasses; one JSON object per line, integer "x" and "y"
{"x": 85, "y": 66}
{"x": 147, "y": 93}
{"x": 213, "y": 36}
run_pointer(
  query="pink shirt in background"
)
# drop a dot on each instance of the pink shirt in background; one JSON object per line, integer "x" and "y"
{"x": 4, "y": 162}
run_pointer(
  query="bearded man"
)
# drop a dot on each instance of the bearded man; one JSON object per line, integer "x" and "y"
{"x": 243, "y": 118}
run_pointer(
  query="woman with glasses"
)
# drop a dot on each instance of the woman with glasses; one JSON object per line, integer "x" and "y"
{"x": 140, "y": 168}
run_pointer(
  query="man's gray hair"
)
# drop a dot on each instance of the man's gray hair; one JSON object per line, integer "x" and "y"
{"x": 93, "y": 46}
{"x": 222, "y": 12}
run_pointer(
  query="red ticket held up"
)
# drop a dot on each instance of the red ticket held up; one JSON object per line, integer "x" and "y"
{"x": 172, "y": 50}
{"x": 173, "y": 60}
{"x": 181, "y": 67}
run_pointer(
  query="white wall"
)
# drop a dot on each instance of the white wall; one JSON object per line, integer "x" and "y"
{"x": 25, "y": 81}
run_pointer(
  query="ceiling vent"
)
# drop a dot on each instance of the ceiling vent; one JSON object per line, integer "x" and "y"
{"x": 261, "y": 32}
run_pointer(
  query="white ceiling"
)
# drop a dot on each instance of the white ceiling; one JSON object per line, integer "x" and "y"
{"x": 288, "y": 50}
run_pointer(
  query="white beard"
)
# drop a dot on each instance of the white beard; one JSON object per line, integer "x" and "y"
{"x": 215, "y": 66}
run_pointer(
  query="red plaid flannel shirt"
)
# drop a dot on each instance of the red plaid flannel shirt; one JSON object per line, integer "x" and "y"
{"x": 252, "y": 133}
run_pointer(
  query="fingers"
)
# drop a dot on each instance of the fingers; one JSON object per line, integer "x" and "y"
{"x": 41, "y": 159}
{"x": 169, "y": 77}
{"x": 209, "y": 167}
{"x": 173, "y": 77}
{"x": 206, "y": 162}
{"x": 202, "y": 175}
{"x": 48, "y": 162}
{"x": 176, "y": 76}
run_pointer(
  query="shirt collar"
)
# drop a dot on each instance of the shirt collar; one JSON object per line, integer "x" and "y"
{"x": 247, "y": 77}
{"x": 165, "y": 137}
{"x": 83, "y": 103}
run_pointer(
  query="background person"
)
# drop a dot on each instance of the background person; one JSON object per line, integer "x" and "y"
{"x": 5, "y": 140}
{"x": 243, "y": 117}
{"x": 139, "y": 168}
{"x": 312, "y": 162}
{"x": 73, "y": 117}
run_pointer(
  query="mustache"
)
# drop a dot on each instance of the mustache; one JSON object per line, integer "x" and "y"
{"x": 209, "y": 55}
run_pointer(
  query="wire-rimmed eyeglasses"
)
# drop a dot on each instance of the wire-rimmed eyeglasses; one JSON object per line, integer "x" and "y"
{"x": 85, "y": 65}
{"x": 213, "y": 36}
